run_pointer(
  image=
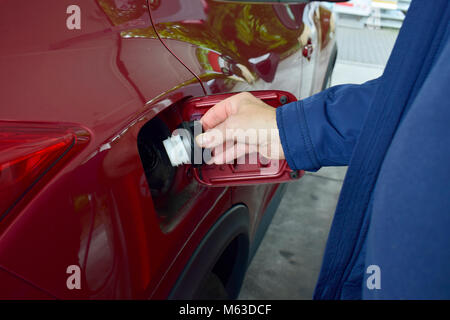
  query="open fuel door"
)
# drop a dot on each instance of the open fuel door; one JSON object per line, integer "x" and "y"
{"x": 239, "y": 172}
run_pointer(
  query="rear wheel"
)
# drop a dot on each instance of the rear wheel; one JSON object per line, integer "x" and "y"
{"x": 211, "y": 288}
{"x": 217, "y": 267}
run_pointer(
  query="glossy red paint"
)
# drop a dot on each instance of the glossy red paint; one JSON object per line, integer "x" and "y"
{"x": 24, "y": 157}
{"x": 28, "y": 153}
{"x": 94, "y": 207}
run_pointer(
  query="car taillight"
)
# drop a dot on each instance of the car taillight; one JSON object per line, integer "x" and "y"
{"x": 27, "y": 152}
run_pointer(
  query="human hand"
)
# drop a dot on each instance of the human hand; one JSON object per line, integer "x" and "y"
{"x": 239, "y": 125}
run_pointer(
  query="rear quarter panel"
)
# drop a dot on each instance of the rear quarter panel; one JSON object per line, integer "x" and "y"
{"x": 110, "y": 77}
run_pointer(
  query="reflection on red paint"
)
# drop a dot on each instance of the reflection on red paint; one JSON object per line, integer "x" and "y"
{"x": 25, "y": 154}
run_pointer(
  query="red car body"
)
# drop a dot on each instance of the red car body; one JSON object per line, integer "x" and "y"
{"x": 84, "y": 101}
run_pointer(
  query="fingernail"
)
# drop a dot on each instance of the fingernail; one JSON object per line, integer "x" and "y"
{"x": 203, "y": 139}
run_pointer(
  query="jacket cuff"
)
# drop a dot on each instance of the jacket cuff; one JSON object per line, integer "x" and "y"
{"x": 298, "y": 149}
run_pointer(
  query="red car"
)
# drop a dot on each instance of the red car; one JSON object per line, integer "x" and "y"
{"x": 90, "y": 206}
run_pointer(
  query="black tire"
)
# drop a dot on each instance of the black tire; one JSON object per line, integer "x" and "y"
{"x": 327, "y": 80}
{"x": 211, "y": 289}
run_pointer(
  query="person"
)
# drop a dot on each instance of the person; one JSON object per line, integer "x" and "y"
{"x": 390, "y": 235}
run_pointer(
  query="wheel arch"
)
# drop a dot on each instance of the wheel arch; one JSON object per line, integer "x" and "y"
{"x": 227, "y": 239}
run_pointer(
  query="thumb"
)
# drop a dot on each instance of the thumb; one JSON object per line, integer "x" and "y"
{"x": 213, "y": 137}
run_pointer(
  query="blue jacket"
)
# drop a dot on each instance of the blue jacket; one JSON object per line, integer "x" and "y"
{"x": 390, "y": 236}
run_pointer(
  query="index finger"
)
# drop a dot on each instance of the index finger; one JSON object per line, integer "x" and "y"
{"x": 219, "y": 113}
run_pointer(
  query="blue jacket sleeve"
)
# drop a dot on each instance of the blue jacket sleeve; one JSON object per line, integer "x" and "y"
{"x": 323, "y": 129}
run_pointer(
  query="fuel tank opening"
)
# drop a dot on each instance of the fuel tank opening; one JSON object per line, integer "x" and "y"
{"x": 173, "y": 188}
{"x": 157, "y": 165}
